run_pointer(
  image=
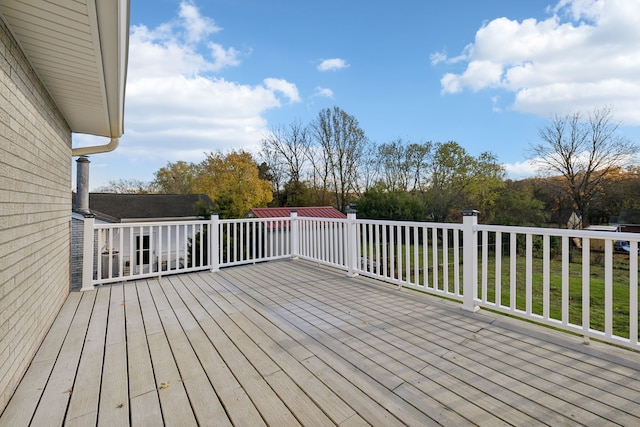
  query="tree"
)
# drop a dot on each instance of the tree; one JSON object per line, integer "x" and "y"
{"x": 175, "y": 178}
{"x": 447, "y": 178}
{"x": 621, "y": 191}
{"x": 401, "y": 164}
{"x": 286, "y": 149}
{"x": 289, "y": 147}
{"x": 456, "y": 180}
{"x": 232, "y": 181}
{"x": 380, "y": 203}
{"x": 517, "y": 205}
{"x": 341, "y": 142}
{"x": 127, "y": 186}
{"x": 487, "y": 182}
{"x": 583, "y": 152}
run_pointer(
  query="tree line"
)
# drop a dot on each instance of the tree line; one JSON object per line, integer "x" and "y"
{"x": 585, "y": 166}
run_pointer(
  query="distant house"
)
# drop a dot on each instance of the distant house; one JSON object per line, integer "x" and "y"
{"x": 111, "y": 207}
{"x": 151, "y": 249}
{"x": 627, "y": 222}
{"x": 309, "y": 212}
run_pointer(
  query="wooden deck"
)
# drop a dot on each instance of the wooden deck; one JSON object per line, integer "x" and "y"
{"x": 289, "y": 343}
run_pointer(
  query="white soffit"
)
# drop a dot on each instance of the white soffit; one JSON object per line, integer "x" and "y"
{"x": 78, "y": 49}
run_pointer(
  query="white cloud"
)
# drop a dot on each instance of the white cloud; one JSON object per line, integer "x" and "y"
{"x": 288, "y": 89}
{"x": 196, "y": 26}
{"x": 222, "y": 57}
{"x": 178, "y": 106}
{"x": 333, "y": 64}
{"x": 583, "y": 56}
{"x": 323, "y": 92}
{"x": 520, "y": 170}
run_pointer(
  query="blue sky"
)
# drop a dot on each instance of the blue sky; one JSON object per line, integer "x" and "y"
{"x": 209, "y": 75}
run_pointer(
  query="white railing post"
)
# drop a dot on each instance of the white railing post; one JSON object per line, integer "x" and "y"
{"x": 352, "y": 246}
{"x": 214, "y": 242}
{"x": 87, "y": 253}
{"x": 469, "y": 259}
{"x": 295, "y": 234}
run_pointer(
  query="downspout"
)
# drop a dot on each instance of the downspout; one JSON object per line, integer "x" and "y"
{"x": 95, "y": 149}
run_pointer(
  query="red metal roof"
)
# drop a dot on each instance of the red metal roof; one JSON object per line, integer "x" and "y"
{"x": 310, "y": 212}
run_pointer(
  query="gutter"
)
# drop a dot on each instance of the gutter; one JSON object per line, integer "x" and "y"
{"x": 95, "y": 149}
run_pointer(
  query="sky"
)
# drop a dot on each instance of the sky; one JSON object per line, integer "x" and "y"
{"x": 217, "y": 75}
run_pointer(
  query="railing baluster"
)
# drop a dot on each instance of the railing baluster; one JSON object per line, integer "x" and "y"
{"x": 633, "y": 294}
{"x": 407, "y": 255}
{"x": 608, "y": 288}
{"x": 565, "y": 280}
{"x": 586, "y": 286}
{"x": 445, "y": 261}
{"x": 529, "y": 273}
{"x": 498, "y": 273}
{"x": 546, "y": 268}
{"x": 456, "y": 262}
{"x": 512, "y": 267}
{"x": 425, "y": 257}
{"x": 435, "y": 263}
{"x": 485, "y": 264}
{"x": 416, "y": 262}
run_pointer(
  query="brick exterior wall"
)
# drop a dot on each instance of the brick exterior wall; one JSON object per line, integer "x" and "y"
{"x": 35, "y": 213}
{"x": 77, "y": 236}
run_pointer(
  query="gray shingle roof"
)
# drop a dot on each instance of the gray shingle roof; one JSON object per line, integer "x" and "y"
{"x": 113, "y": 207}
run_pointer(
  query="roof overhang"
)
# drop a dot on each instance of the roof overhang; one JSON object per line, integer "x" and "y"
{"x": 79, "y": 50}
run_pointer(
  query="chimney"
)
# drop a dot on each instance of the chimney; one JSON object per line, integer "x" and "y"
{"x": 82, "y": 198}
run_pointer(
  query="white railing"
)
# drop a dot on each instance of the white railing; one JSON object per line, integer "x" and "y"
{"x": 421, "y": 255}
{"x": 250, "y": 240}
{"x": 568, "y": 279}
{"x": 130, "y": 251}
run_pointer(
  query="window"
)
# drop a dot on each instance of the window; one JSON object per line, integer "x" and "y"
{"x": 143, "y": 250}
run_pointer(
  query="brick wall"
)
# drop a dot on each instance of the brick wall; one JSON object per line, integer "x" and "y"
{"x": 77, "y": 245}
{"x": 35, "y": 213}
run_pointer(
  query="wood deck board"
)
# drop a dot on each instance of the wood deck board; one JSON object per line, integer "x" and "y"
{"x": 180, "y": 332}
{"x": 272, "y": 409}
{"x": 24, "y": 402}
{"x": 143, "y": 393}
{"x": 389, "y": 359}
{"x": 174, "y": 401}
{"x": 114, "y": 394}
{"x": 345, "y": 365}
{"x": 86, "y": 389}
{"x": 268, "y": 337}
{"x": 232, "y": 396}
{"x": 594, "y": 370}
{"x": 57, "y": 392}
{"x": 523, "y": 364}
{"x": 293, "y": 343}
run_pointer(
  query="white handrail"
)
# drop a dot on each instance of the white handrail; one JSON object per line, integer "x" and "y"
{"x": 541, "y": 274}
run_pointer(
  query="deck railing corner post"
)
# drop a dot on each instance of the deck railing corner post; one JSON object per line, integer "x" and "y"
{"x": 351, "y": 246}
{"x": 87, "y": 252}
{"x": 469, "y": 259}
{"x": 295, "y": 234}
{"x": 214, "y": 240}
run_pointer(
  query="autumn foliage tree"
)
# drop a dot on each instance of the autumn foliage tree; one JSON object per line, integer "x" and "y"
{"x": 175, "y": 178}
{"x": 232, "y": 181}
